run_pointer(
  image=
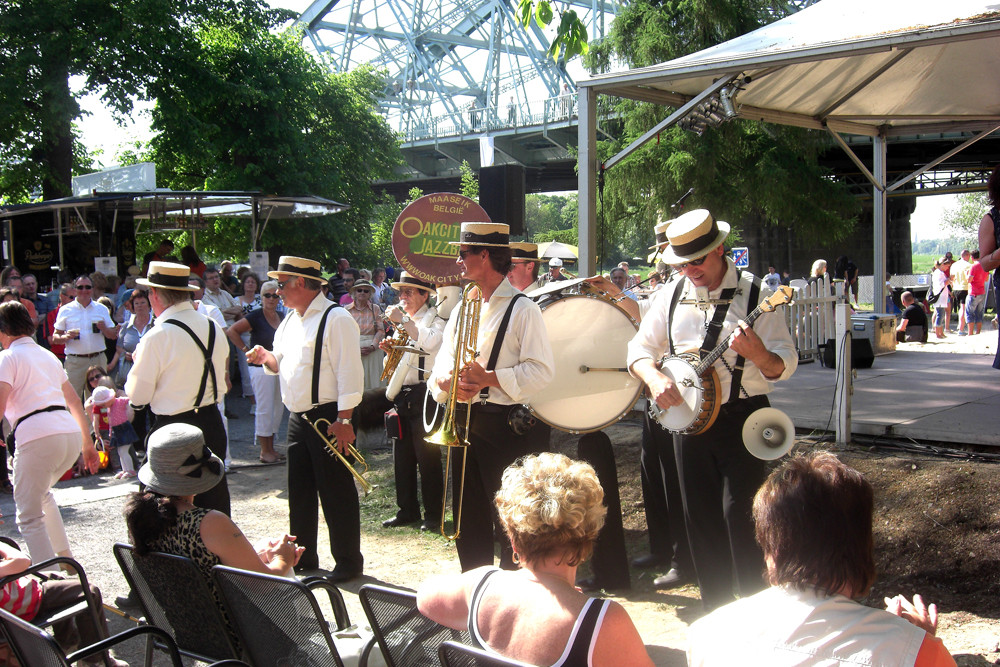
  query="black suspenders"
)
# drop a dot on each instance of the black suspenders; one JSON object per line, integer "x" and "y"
{"x": 318, "y": 356}
{"x": 498, "y": 343}
{"x": 209, "y": 367}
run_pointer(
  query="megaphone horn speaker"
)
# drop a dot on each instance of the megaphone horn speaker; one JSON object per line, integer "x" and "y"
{"x": 768, "y": 434}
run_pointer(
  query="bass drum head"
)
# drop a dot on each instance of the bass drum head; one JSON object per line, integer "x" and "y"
{"x": 587, "y": 331}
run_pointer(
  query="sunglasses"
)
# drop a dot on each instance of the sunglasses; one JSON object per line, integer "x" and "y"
{"x": 281, "y": 285}
{"x": 362, "y": 291}
{"x": 465, "y": 253}
{"x": 270, "y": 295}
{"x": 94, "y": 378}
{"x": 85, "y": 287}
{"x": 693, "y": 262}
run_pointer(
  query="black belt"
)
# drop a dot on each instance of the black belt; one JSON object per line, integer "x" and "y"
{"x": 315, "y": 407}
{"x": 49, "y": 408}
{"x": 92, "y": 354}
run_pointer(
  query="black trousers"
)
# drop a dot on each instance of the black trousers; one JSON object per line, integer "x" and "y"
{"x": 410, "y": 452}
{"x": 661, "y": 495}
{"x": 493, "y": 447}
{"x": 718, "y": 480}
{"x": 209, "y": 420}
{"x": 314, "y": 471}
{"x": 609, "y": 562}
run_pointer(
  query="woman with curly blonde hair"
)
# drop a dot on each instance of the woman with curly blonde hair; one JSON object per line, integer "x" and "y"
{"x": 552, "y": 510}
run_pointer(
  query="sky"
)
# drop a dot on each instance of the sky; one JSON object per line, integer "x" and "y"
{"x": 101, "y": 132}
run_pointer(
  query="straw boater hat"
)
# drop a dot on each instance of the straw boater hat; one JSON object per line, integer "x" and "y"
{"x": 297, "y": 266}
{"x": 167, "y": 275}
{"x": 178, "y": 463}
{"x": 660, "y": 231}
{"x": 362, "y": 283}
{"x": 524, "y": 252}
{"x": 406, "y": 280}
{"x": 694, "y": 235}
{"x": 494, "y": 234}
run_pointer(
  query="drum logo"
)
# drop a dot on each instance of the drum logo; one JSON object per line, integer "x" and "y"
{"x": 424, "y": 230}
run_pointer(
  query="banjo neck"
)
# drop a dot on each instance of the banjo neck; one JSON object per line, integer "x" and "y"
{"x": 780, "y": 298}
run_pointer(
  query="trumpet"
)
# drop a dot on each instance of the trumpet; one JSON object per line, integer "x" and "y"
{"x": 398, "y": 340}
{"x": 331, "y": 445}
{"x": 466, "y": 336}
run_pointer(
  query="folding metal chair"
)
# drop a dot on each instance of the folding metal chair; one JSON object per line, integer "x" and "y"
{"x": 87, "y": 605}
{"x": 407, "y": 637}
{"x": 175, "y": 596}
{"x": 278, "y": 620}
{"x": 460, "y": 655}
{"x": 34, "y": 647}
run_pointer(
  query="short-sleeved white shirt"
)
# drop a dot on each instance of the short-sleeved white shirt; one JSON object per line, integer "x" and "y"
{"x": 75, "y": 316}
{"x": 36, "y": 379}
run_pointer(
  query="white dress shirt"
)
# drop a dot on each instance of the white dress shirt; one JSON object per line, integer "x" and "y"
{"x": 212, "y": 313}
{"x": 688, "y": 331}
{"x": 430, "y": 329}
{"x": 222, "y": 300}
{"x": 36, "y": 379}
{"x": 341, "y": 377}
{"x": 75, "y": 316}
{"x": 168, "y": 365}
{"x": 525, "y": 365}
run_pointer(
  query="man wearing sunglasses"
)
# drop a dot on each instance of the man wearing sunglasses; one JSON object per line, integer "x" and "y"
{"x": 698, "y": 311}
{"x": 82, "y": 325}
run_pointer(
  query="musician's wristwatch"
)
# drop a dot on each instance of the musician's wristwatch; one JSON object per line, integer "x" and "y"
{"x": 343, "y": 420}
{"x": 406, "y": 318}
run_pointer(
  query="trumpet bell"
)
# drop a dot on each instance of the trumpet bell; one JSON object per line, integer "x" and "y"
{"x": 768, "y": 434}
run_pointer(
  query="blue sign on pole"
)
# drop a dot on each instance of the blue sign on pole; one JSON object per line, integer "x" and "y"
{"x": 741, "y": 257}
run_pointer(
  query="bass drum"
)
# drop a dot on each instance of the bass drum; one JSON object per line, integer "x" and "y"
{"x": 587, "y": 332}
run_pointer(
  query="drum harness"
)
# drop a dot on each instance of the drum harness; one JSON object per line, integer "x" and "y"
{"x": 714, "y": 328}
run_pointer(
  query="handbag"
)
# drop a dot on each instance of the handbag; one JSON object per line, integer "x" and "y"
{"x": 933, "y": 297}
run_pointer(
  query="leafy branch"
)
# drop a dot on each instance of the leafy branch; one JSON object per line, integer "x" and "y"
{"x": 571, "y": 34}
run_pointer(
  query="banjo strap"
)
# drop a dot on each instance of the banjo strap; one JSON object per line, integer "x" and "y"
{"x": 498, "y": 343}
{"x": 674, "y": 298}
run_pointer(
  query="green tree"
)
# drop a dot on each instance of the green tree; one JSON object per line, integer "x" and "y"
{"x": 962, "y": 221}
{"x": 743, "y": 171}
{"x": 251, "y": 110}
{"x": 115, "y": 48}
{"x": 470, "y": 181}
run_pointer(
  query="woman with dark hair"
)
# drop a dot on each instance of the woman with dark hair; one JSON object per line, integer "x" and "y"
{"x": 814, "y": 522}
{"x": 552, "y": 509}
{"x": 989, "y": 240}
{"x": 249, "y": 300}
{"x": 190, "y": 258}
{"x": 32, "y": 383}
{"x": 164, "y": 518}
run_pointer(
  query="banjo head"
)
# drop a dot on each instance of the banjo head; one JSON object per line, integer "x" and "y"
{"x": 681, "y": 418}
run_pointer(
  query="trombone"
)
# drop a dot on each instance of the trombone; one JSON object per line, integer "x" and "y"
{"x": 331, "y": 445}
{"x": 466, "y": 336}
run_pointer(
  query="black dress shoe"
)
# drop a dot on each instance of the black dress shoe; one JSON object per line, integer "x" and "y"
{"x": 588, "y": 584}
{"x": 429, "y": 525}
{"x": 306, "y": 566}
{"x": 649, "y": 561}
{"x": 338, "y": 575}
{"x": 128, "y": 602}
{"x": 397, "y": 521}
{"x": 672, "y": 579}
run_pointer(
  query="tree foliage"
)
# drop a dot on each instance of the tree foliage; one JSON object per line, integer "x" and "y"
{"x": 251, "y": 110}
{"x": 571, "y": 34}
{"x": 743, "y": 171}
{"x": 962, "y": 221}
{"x": 115, "y": 48}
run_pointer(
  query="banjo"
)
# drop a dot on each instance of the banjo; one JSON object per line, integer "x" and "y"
{"x": 698, "y": 382}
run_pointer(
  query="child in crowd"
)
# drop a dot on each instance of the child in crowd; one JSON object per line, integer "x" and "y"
{"x": 112, "y": 426}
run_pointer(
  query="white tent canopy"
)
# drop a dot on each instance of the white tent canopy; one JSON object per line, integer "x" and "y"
{"x": 880, "y": 68}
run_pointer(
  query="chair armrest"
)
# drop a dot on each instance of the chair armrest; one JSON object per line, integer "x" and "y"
{"x": 105, "y": 644}
{"x": 73, "y": 563}
{"x": 336, "y": 599}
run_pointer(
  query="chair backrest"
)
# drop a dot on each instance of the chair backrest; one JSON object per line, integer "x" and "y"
{"x": 460, "y": 655}
{"x": 32, "y": 645}
{"x": 175, "y": 596}
{"x": 407, "y": 637}
{"x": 277, "y": 619}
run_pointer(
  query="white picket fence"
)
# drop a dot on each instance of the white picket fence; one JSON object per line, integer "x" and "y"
{"x": 810, "y": 316}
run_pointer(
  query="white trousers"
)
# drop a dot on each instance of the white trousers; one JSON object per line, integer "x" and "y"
{"x": 38, "y": 464}
{"x": 270, "y": 409}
